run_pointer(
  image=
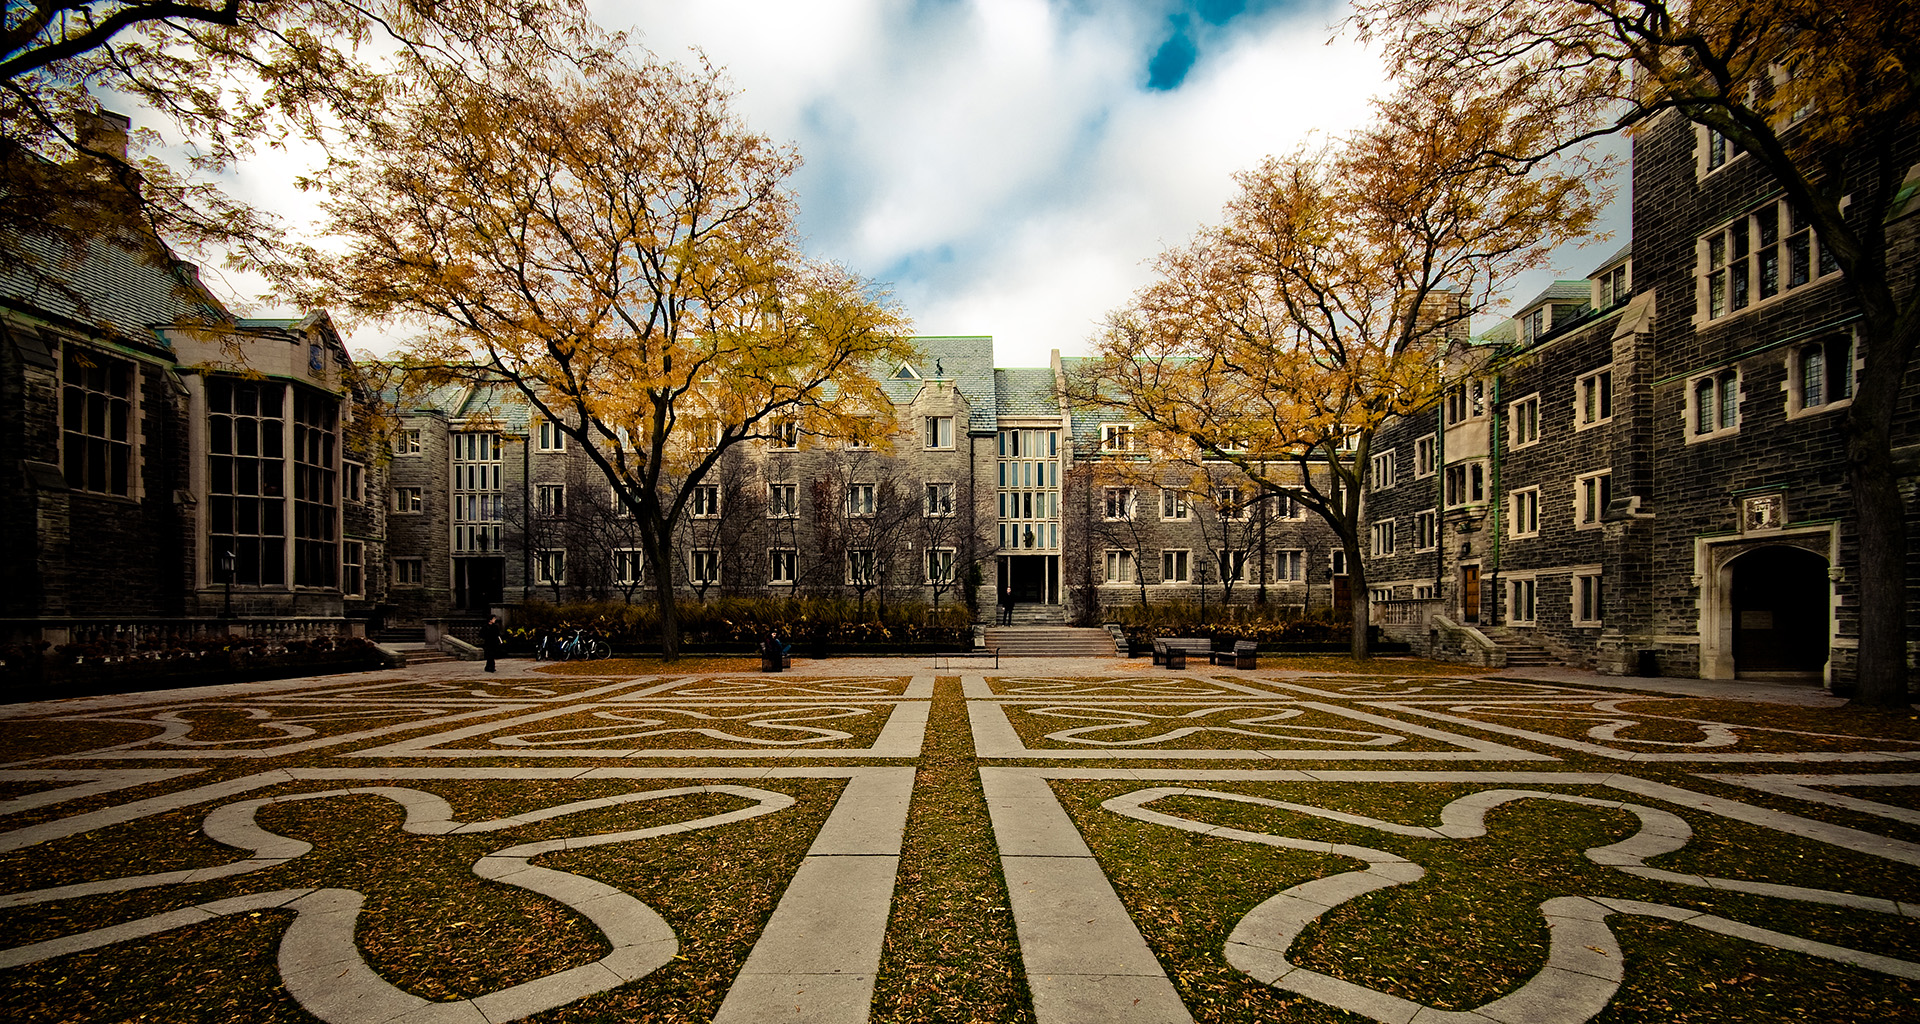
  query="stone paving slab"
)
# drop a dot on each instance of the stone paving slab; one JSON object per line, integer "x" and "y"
{"x": 418, "y": 739}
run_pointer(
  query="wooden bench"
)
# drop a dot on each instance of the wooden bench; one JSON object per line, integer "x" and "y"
{"x": 1243, "y": 655}
{"x": 770, "y": 662}
{"x": 977, "y": 652}
{"x": 1172, "y": 651}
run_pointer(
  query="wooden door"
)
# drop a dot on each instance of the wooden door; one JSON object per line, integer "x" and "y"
{"x": 1470, "y": 593}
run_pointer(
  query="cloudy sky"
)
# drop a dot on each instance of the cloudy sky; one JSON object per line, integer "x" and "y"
{"x": 1009, "y": 167}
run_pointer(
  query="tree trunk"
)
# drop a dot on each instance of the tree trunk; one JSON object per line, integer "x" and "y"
{"x": 1359, "y": 645}
{"x": 660, "y": 553}
{"x": 1880, "y": 676}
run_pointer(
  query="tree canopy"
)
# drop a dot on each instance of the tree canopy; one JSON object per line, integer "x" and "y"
{"x": 613, "y": 241}
{"x": 230, "y": 76}
{"x": 1825, "y": 96}
{"x": 1280, "y": 340}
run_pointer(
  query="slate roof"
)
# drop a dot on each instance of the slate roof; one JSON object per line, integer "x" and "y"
{"x": 125, "y": 294}
{"x": 965, "y": 361}
{"x": 1025, "y": 391}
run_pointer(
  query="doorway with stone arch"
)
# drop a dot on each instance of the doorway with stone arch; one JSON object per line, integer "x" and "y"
{"x": 1767, "y": 603}
{"x": 1781, "y": 605}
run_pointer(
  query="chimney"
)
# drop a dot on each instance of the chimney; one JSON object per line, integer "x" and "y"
{"x": 104, "y": 131}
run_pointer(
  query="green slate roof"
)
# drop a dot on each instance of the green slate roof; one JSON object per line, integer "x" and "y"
{"x": 120, "y": 291}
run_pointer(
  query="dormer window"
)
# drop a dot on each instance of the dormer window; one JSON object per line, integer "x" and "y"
{"x": 1533, "y": 324}
{"x": 905, "y": 372}
{"x": 1611, "y": 287}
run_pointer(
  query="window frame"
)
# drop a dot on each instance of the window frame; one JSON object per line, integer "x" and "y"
{"x": 1765, "y": 246}
{"x": 1116, "y": 432}
{"x": 704, "y": 502}
{"x": 1381, "y": 465}
{"x": 353, "y": 567}
{"x": 1472, "y": 486}
{"x": 548, "y": 437}
{"x": 863, "y": 557}
{"x": 629, "y": 558}
{"x": 1588, "y": 601}
{"x": 939, "y": 500}
{"x": 1517, "y": 586}
{"x": 1721, "y": 383}
{"x": 545, "y": 563}
{"x": 783, "y": 558}
{"x": 1232, "y": 565}
{"x": 1836, "y": 373}
{"x": 1523, "y": 413}
{"x": 550, "y": 499}
{"x": 409, "y": 571}
{"x": 941, "y": 558}
{"x": 1426, "y": 456}
{"x": 1294, "y": 559}
{"x": 1523, "y": 510}
{"x": 939, "y": 433}
{"x": 403, "y": 507}
{"x": 353, "y": 481}
{"x": 1174, "y": 505}
{"x": 1122, "y": 568}
{"x": 1128, "y": 504}
{"x": 1382, "y": 538}
{"x": 1600, "y": 385}
{"x": 406, "y": 441}
{"x": 695, "y": 556}
{"x": 1590, "y": 503}
{"x": 783, "y": 500}
{"x": 1172, "y": 559}
{"x": 858, "y": 509}
{"x": 1426, "y": 529}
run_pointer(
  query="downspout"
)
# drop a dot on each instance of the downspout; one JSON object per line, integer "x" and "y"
{"x": 1493, "y": 475}
{"x": 526, "y": 515}
{"x": 1440, "y": 499}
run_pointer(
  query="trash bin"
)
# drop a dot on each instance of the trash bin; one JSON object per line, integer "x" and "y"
{"x": 1649, "y": 665}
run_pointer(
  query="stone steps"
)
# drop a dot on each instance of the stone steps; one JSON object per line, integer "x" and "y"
{"x": 1050, "y": 642}
{"x": 1521, "y": 653}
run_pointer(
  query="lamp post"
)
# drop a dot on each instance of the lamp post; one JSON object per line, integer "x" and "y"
{"x": 226, "y": 569}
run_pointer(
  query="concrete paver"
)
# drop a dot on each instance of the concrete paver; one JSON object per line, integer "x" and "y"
{"x": 821, "y": 953}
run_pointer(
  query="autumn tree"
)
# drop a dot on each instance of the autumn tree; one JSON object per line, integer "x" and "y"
{"x": 227, "y": 78}
{"x": 1279, "y": 341}
{"x": 1824, "y": 95}
{"x": 614, "y": 242}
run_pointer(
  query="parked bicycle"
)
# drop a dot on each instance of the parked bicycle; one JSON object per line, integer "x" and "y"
{"x": 584, "y": 647}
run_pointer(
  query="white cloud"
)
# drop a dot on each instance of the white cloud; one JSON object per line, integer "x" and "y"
{"x": 998, "y": 163}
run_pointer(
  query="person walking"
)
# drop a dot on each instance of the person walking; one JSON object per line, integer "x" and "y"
{"x": 490, "y": 640}
{"x": 1006, "y": 604}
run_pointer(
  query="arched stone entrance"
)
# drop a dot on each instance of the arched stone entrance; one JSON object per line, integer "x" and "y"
{"x": 1766, "y": 603}
{"x": 1780, "y": 602}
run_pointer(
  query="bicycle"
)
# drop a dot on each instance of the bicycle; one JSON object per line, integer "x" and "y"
{"x": 585, "y": 648}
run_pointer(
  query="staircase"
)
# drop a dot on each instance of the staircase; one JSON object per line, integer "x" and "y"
{"x": 1037, "y": 614}
{"x": 1022, "y": 641}
{"x": 411, "y": 641}
{"x": 1521, "y": 652}
{"x": 419, "y": 656}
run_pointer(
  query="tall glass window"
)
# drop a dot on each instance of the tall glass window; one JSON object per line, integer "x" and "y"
{"x": 246, "y": 480}
{"x": 316, "y": 471}
{"x": 1029, "y": 490}
{"x": 478, "y": 502}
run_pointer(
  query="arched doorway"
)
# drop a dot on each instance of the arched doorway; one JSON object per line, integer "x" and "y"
{"x": 1781, "y": 614}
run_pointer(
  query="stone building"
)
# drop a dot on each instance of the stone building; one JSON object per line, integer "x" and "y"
{"x": 1651, "y": 480}
{"x": 166, "y": 462}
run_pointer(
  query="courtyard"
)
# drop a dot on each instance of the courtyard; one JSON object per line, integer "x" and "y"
{"x": 1048, "y": 840}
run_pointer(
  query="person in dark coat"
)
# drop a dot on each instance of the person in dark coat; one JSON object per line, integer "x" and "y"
{"x": 490, "y": 640}
{"x": 1006, "y": 604}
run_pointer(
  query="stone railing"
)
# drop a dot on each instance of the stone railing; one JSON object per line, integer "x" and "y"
{"x": 1410, "y": 612}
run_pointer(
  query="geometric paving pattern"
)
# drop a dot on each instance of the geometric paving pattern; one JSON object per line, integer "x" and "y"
{"x": 1213, "y": 844}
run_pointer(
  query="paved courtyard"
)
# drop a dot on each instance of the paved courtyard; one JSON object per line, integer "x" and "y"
{"x": 1052, "y": 840}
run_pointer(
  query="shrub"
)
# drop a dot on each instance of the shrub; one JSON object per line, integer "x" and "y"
{"x": 835, "y": 622}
